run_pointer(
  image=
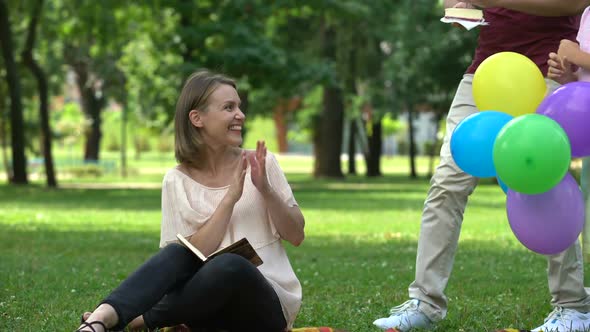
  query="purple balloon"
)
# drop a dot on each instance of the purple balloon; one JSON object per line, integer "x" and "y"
{"x": 550, "y": 222}
{"x": 570, "y": 107}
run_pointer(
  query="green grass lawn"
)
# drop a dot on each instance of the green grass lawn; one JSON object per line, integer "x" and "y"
{"x": 62, "y": 251}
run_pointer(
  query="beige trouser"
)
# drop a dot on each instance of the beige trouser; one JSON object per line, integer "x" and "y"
{"x": 441, "y": 225}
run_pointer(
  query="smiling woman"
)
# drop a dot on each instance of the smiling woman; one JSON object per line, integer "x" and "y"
{"x": 222, "y": 116}
{"x": 202, "y": 92}
{"x": 217, "y": 195}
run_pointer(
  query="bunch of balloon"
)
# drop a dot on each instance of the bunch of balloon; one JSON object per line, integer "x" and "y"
{"x": 522, "y": 138}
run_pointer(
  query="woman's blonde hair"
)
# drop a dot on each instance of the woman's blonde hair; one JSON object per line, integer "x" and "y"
{"x": 194, "y": 96}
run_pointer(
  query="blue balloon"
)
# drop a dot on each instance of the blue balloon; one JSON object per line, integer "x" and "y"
{"x": 502, "y": 185}
{"x": 472, "y": 142}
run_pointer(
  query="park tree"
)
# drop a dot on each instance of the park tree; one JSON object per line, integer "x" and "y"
{"x": 237, "y": 38}
{"x": 292, "y": 28}
{"x": 151, "y": 69}
{"x": 343, "y": 38}
{"x": 43, "y": 90}
{"x": 320, "y": 30}
{"x": 91, "y": 42}
{"x": 4, "y": 115}
{"x": 19, "y": 163}
{"x": 337, "y": 45}
{"x": 426, "y": 61}
{"x": 118, "y": 52}
{"x": 372, "y": 84}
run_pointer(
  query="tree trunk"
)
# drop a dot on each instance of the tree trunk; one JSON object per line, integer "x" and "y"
{"x": 375, "y": 147}
{"x": 3, "y": 138}
{"x": 19, "y": 162}
{"x": 327, "y": 153}
{"x": 245, "y": 98}
{"x": 124, "y": 137}
{"x": 185, "y": 8}
{"x": 281, "y": 125}
{"x": 315, "y": 138}
{"x": 352, "y": 90}
{"x": 39, "y": 75}
{"x": 413, "y": 173}
{"x": 93, "y": 102}
{"x": 92, "y": 105}
{"x": 433, "y": 150}
{"x": 351, "y": 147}
{"x": 280, "y": 115}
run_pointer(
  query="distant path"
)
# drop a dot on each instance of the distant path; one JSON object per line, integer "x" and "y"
{"x": 146, "y": 185}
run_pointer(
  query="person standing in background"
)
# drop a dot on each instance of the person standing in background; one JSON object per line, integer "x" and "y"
{"x": 533, "y": 28}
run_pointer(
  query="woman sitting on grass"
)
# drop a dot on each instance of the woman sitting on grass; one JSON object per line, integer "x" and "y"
{"x": 217, "y": 195}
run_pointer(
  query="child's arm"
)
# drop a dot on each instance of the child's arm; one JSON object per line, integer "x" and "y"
{"x": 560, "y": 70}
{"x": 571, "y": 51}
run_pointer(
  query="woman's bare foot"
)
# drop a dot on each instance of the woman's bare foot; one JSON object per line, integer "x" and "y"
{"x": 136, "y": 325}
{"x": 99, "y": 320}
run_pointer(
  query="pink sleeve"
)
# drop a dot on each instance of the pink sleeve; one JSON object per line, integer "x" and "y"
{"x": 584, "y": 21}
{"x": 178, "y": 216}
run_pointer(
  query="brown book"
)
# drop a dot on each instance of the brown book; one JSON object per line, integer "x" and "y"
{"x": 242, "y": 248}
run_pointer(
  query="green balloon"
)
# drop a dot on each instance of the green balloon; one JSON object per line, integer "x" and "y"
{"x": 532, "y": 154}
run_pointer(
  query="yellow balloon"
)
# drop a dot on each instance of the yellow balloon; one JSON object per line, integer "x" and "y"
{"x": 508, "y": 82}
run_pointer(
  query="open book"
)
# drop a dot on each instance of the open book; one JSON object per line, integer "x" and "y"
{"x": 242, "y": 248}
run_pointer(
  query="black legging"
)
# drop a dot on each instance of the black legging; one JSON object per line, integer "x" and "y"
{"x": 173, "y": 287}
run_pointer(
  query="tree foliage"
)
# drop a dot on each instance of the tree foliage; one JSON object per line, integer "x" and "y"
{"x": 380, "y": 54}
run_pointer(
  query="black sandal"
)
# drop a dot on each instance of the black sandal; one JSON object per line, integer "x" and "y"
{"x": 89, "y": 325}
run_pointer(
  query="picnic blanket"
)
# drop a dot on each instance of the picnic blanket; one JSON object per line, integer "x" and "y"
{"x": 184, "y": 328}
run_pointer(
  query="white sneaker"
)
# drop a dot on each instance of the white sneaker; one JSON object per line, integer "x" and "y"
{"x": 405, "y": 317}
{"x": 565, "y": 320}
